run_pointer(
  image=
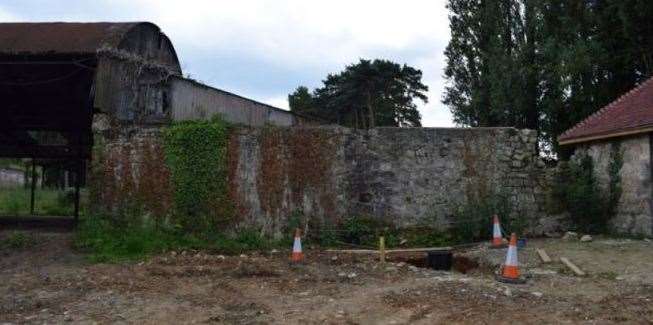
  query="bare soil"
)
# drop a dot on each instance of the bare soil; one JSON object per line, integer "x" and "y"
{"x": 51, "y": 283}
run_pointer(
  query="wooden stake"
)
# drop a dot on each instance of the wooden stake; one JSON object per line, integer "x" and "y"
{"x": 31, "y": 206}
{"x": 572, "y": 266}
{"x": 388, "y": 251}
{"x": 543, "y": 255}
{"x": 382, "y": 249}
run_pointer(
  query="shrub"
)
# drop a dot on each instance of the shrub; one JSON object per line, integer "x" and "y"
{"x": 473, "y": 221}
{"x": 364, "y": 230}
{"x": 577, "y": 191}
{"x": 424, "y": 237}
{"x": 14, "y": 201}
{"x": 17, "y": 240}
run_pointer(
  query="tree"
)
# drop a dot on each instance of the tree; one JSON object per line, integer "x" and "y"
{"x": 302, "y": 102}
{"x": 365, "y": 95}
{"x": 544, "y": 64}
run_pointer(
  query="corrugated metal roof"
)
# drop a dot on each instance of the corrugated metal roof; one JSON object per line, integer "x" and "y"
{"x": 631, "y": 113}
{"x": 60, "y": 38}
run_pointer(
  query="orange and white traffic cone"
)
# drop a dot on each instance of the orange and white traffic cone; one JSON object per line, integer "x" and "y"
{"x": 510, "y": 270}
{"x": 497, "y": 238}
{"x": 297, "y": 254}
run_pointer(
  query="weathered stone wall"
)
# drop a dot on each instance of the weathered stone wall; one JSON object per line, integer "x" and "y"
{"x": 408, "y": 176}
{"x": 128, "y": 174}
{"x": 634, "y": 209}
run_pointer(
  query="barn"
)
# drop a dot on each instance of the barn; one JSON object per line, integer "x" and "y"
{"x": 68, "y": 86}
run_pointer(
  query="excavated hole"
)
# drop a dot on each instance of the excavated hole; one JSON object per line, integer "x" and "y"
{"x": 461, "y": 264}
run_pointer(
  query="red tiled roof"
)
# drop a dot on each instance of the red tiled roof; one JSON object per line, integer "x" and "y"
{"x": 631, "y": 113}
{"x": 61, "y": 38}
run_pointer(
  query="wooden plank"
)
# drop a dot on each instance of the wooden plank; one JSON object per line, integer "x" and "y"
{"x": 543, "y": 255}
{"x": 382, "y": 249}
{"x": 572, "y": 266}
{"x": 373, "y": 251}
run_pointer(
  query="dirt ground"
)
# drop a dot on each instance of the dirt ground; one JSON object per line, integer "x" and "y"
{"x": 51, "y": 283}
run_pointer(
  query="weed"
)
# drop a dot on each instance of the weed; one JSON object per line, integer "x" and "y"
{"x": 577, "y": 191}
{"x": 473, "y": 221}
{"x": 363, "y": 230}
{"x": 328, "y": 238}
{"x": 16, "y": 202}
{"x": 425, "y": 237}
{"x": 17, "y": 240}
{"x": 107, "y": 241}
{"x": 607, "y": 275}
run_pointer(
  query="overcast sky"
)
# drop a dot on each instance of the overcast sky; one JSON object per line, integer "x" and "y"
{"x": 264, "y": 49}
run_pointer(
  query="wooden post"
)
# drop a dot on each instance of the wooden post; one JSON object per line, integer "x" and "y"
{"x": 78, "y": 184}
{"x": 382, "y": 249}
{"x": 33, "y": 186}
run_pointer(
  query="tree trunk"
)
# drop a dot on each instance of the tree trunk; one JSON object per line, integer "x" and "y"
{"x": 370, "y": 109}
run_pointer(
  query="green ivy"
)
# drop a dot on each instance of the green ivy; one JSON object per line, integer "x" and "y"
{"x": 196, "y": 153}
{"x": 577, "y": 190}
{"x": 614, "y": 170}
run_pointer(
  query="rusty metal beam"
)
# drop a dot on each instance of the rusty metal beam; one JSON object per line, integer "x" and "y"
{"x": 51, "y": 152}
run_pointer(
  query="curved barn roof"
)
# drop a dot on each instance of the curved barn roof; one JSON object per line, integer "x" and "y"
{"x": 68, "y": 38}
{"x": 86, "y": 39}
{"x": 632, "y": 113}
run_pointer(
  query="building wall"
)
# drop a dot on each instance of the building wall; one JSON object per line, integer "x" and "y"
{"x": 409, "y": 176}
{"x": 11, "y": 177}
{"x": 634, "y": 209}
{"x": 190, "y": 100}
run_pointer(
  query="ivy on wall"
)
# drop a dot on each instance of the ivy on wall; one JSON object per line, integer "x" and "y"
{"x": 614, "y": 174}
{"x": 577, "y": 190}
{"x": 196, "y": 154}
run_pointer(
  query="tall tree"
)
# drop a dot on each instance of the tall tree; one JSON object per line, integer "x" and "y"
{"x": 544, "y": 64}
{"x": 482, "y": 61}
{"x": 368, "y": 94}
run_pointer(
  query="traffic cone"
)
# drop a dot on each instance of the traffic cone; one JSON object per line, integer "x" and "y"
{"x": 497, "y": 238}
{"x": 510, "y": 270}
{"x": 297, "y": 255}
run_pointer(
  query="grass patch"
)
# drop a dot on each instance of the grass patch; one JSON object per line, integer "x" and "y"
{"x": 607, "y": 275}
{"x": 106, "y": 242}
{"x": 16, "y": 202}
{"x": 365, "y": 232}
{"x": 17, "y": 240}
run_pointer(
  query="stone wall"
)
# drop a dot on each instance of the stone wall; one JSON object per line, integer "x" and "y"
{"x": 634, "y": 210}
{"x": 408, "y": 176}
{"x": 128, "y": 174}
